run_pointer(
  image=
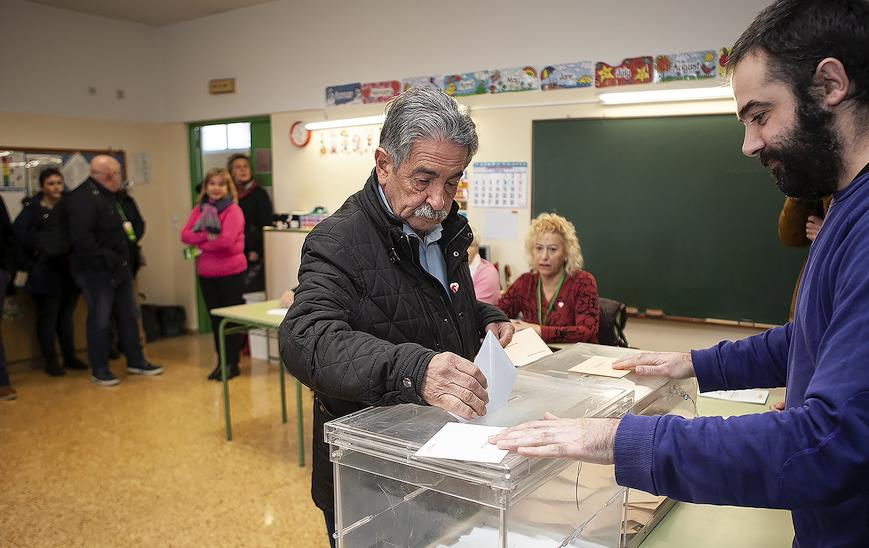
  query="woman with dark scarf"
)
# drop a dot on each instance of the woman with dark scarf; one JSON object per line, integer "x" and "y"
{"x": 49, "y": 282}
{"x": 216, "y": 229}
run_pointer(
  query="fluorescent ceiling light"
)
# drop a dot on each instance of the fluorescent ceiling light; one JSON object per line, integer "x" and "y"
{"x": 347, "y": 122}
{"x": 666, "y": 95}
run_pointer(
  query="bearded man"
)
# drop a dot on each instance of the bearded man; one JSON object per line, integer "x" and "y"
{"x": 385, "y": 312}
{"x": 800, "y": 76}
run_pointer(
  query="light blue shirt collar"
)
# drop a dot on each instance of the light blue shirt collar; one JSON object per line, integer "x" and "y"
{"x": 430, "y": 255}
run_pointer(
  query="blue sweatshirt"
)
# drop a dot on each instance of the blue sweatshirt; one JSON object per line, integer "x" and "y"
{"x": 812, "y": 458}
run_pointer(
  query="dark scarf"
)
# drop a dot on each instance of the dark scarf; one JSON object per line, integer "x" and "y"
{"x": 242, "y": 192}
{"x": 210, "y": 218}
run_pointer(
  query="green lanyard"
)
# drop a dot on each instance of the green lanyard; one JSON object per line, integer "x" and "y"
{"x": 120, "y": 211}
{"x": 126, "y": 224}
{"x": 541, "y": 320}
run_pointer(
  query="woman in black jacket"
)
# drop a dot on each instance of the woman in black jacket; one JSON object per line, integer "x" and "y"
{"x": 48, "y": 280}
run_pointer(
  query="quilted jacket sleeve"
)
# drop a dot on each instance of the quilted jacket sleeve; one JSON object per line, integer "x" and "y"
{"x": 320, "y": 347}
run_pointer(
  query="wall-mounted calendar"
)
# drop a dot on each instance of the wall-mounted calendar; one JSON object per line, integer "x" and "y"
{"x": 499, "y": 184}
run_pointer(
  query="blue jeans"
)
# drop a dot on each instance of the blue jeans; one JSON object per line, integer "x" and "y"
{"x": 330, "y": 526}
{"x": 4, "y": 283}
{"x": 103, "y": 295}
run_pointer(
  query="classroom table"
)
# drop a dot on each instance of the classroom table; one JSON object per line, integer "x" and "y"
{"x": 242, "y": 318}
{"x": 724, "y": 526}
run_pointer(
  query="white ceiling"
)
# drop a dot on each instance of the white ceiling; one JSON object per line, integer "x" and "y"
{"x": 151, "y": 12}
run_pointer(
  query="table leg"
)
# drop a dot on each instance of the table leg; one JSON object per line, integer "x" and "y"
{"x": 283, "y": 394}
{"x": 300, "y": 426}
{"x": 222, "y": 339}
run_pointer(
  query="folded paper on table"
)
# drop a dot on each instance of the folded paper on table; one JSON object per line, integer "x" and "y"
{"x": 277, "y": 311}
{"x": 526, "y": 347}
{"x": 752, "y": 395}
{"x": 600, "y": 365}
{"x": 468, "y": 442}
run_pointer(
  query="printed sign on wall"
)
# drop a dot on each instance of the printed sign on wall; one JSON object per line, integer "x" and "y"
{"x": 686, "y": 66}
{"x": 380, "y": 92}
{"x": 346, "y": 94}
{"x": 635, "y": 70}
{"x": 469, "y": 83}
{"x": 513, "y": 79}
{"x": 567, "y": 75}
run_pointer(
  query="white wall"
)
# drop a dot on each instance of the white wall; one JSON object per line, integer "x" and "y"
{"x": 51, "y": 57}
{"x": 284, "y": 53}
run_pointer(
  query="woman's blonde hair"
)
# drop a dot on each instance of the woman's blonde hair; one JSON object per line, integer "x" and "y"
{"x": 227, "y": 178}
{"x": 546, "y": 223}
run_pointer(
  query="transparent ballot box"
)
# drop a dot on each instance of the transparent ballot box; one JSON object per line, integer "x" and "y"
{"x": 652, "y": 396}
{"x": 387, "y": 497}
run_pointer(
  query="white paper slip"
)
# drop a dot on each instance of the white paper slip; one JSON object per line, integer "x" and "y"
{"x": 499, "y": 372}
{"x": 469, "y": 442}
{"x": 526, "y": 347}
{"x": 753, "y": 395}
{"x": 600, "y": 365}
{"x": 277, "y": 311}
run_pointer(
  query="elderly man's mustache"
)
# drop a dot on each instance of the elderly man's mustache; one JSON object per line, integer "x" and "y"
{"x": 426, "y": 212}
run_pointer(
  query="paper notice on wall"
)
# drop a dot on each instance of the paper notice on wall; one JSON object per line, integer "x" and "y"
{"x": 499, "y": 225}
{"x": 75, "y": 171}
{"x": 141, "y": 172}
{"x": 499, "y": 184}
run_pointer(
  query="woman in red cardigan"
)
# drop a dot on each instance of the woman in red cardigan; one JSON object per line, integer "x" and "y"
{"x": 558, "y": 299}
{"x": 216, "y": 228}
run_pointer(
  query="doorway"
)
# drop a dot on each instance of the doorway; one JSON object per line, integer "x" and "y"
{"x": 211, "y": 144}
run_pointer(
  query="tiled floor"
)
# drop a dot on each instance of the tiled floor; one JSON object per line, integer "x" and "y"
{"x": 146, "y": 463}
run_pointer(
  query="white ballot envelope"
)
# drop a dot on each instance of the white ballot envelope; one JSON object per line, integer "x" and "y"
{"x": 526, "y": 347}
{"x": 499, "y": 371}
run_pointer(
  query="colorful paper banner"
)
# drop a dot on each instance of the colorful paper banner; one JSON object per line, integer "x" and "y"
{"x": 469, "y": 83}
{"x": 723, "y": 56}
{"x": 513, "y": 79}
{"x": 421, "y": 81}
{"x": 692, "y": 65}
{"x": 634, "y": 70}
{"x": 567, "y": 75}
{"x": 346, "y": 94}
{"x": 380, "y": 92}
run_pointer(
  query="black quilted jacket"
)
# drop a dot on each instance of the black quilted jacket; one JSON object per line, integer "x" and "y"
{"x": 367, "y": 319}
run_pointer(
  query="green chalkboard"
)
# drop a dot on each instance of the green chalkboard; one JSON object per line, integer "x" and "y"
{"x": 671, "y": 216}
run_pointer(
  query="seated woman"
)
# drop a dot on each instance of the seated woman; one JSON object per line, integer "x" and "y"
{"x": 216, "y": 228}
{"x": 487, "y": 282}
{"x": 558, "y": 299}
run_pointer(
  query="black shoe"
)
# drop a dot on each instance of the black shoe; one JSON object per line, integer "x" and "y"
{"x": 75, "y": 363}
{"x": 104, "y": 378}
{"x": 54, "y": 369}
{"x": 145, "y": 368}
{"x": 215, "y": 374}
{"x": 231, "y": 372}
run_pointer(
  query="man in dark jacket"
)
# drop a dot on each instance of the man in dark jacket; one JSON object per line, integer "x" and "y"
{"x": 385, "y": 312}
{"x": 256, "y": 205}
{"x": 800, "y": 76}
{"x": 100, "y": 234}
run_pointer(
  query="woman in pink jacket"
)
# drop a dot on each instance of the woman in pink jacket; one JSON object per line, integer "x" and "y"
{"x": 216, "y": 228}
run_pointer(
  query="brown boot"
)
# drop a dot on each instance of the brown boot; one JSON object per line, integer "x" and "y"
{"x": 7, "y": 393}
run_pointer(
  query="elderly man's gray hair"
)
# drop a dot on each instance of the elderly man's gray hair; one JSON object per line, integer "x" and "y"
{"x": 426, "y": 113}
